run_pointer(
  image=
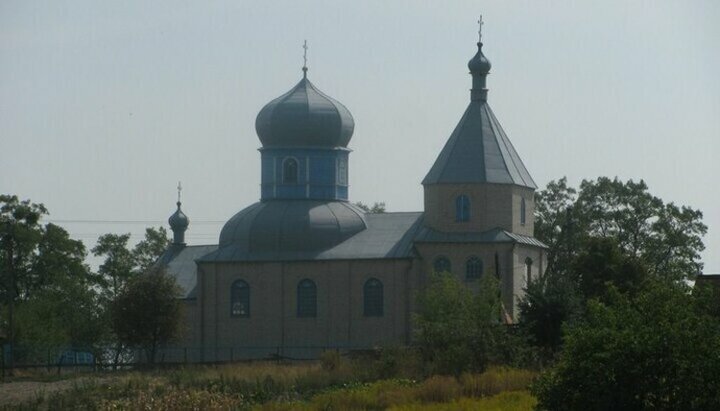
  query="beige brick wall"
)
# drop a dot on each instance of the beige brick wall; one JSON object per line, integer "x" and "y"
{"x": 273, "y": 320}
{"x": 491, "y": 206}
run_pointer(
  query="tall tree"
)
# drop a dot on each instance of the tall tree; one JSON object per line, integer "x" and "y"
{"x": 119, "y": 264}
{"x": 147, "y": 313}
{"x": 148, "y": 250}
{"x": 666, "y": 237}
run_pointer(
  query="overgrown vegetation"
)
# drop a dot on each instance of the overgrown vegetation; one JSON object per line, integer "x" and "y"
{"x": 347, "y": 385}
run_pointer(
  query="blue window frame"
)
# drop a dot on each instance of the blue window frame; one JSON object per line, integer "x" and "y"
{"x": 373, "y": 298}
{"x": 473, "y": 268}
{"x": 442, "y": 265}
{"x": 290, "y": 171}
{"x": 306, "y": 299}
{"x": 462, "y": 208}
{"x": 240, "y": 299}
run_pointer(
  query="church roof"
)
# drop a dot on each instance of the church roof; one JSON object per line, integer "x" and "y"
{"x": 497, "y": 235}
{"x": 179, "y": 261}
{"x": 479, "y": 151}
{"x": 388, "y": 235}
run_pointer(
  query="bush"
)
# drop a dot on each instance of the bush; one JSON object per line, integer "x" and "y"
{"x": 657, "y": 351}
{"x": 496, "y": 380}
{"x": 439, "y": 389}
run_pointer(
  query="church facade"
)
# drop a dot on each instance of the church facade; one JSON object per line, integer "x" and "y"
{"x": 303, "y": 269}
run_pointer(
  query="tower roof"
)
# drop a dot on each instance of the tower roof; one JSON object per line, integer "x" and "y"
{"x": 478, "y": 150}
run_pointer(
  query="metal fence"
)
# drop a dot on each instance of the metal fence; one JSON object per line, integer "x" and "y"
{"x": 59, "y": 359}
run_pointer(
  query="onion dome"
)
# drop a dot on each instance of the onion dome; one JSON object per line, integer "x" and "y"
{"x": 479, "y": 64}
{"x": 304, "y": 117}
{"x": 291, "y": 227}
{"x": 178, "y": 224}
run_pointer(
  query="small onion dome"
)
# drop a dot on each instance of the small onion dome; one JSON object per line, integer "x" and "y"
{"x": 178, "y": 221}
{"x": 479, "y": 64}
{"x": 302, "y": 117}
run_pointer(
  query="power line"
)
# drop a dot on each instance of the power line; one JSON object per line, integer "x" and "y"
{"x": 129, "y": 221}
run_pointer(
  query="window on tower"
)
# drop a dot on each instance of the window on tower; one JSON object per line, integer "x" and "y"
{"x": 522, "y": 211}
{"x": 473, "y": 268}
{"x": 342, "y": 172}
{"x": 240, "y": 299}
{"x": 306, "y": 299}
{"x": 442, "y": 265}
{"x": 528, "y": 270}
{"x": 290, "y": 171}
{"x": 462, "y": 208}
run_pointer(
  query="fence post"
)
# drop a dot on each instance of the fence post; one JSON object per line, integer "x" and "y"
{"x": 185, "y": 355}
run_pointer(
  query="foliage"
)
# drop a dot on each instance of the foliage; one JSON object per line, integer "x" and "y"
{"x": 456, "y": 329}
{"x": 147, "y": 313}
{"x": 147, "y": 251}
{"x": 667, "y": 238}
{"x": 549, "y": 302}
{"x": 657, "y": 350}
{"x": 505, "y": 401}
{"x": 376, "y": 208}
{"x": 118, "y": 267}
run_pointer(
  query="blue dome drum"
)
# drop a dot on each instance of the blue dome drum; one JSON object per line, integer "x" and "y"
{"x": 304, "y": 134}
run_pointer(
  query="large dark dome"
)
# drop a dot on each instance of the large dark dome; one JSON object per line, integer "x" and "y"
{"x": 303, "y": 117}
{"x": 299, "y": 226}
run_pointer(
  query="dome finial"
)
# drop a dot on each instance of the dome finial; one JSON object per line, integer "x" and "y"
{"x": 480, "y": 24}
{"x": 179, "y": 188}
{"x": 305, "y": 69}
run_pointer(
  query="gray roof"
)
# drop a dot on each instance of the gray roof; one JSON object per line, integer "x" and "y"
{"x": 305, "y": 226}
{"x": 179, "y": 261}
{"x": 496, "y": 235}
{"x": 478, "y": 151}
{"x": 388, "y": 235}
{"x": 302, "y": 117}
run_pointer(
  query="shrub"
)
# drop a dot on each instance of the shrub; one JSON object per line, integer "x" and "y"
{"x": 496, "y": 380}
{"x": 506, "y": 401}
{"x": 330, "y": 360}
{"x": 439, "y": 389}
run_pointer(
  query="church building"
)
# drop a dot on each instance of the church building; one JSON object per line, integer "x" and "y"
{"x": 304, "y": 269}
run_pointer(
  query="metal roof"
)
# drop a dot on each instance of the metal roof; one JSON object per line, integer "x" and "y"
{"x": 387, "y": 235}
{"x": 496, "y": 235}
{"x": 179, "y": 261}
{"x": 305, "y": 226}
{"x": 302, "y": 117}
{"x": 479, "y": 151}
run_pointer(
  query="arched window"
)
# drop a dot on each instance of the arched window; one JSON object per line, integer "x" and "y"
{"x": 497, "y": 266}
{"x": 522, "y": 211}
{"x": 441, "y": 265}
{"x": 306, "y": 299}
{"x": 473, "y": 268}
{"x": 373, "y": 298}
{"x": 290, "y": 171}
{"x": 462, "y": 208}
{"x": 528, "y": 270}
{"x": 240, "y": 299}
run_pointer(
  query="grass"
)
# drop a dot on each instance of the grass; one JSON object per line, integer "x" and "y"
{"x": 387, "y": 381}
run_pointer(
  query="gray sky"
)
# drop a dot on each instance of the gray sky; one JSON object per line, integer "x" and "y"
{"x": 104, "y": 106}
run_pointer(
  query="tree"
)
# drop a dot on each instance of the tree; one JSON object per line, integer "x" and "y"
{"x": 654, "y": 351}
{"x": 119, "y": 265}
{"x": 147, "y": 313}
{"x": 377, "y": 207}
{"x": 667, "y": 238}
{"x": 148, "y": 250}
{"x": 455, "y": 328}
{"x": 550, "y": 302}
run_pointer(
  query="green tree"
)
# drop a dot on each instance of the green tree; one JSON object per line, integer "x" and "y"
{"x": 456, "y": 329}
{"x": 148, "y": 250}
{"x": 667, "y": 238}
{"x": 376, "y": 208}
{"x": 147, "y": 313}
{"x": 654, "y": 351}
{"x": 119, "y": 264}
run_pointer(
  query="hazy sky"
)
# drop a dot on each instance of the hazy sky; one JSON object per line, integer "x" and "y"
{"x": 105, "y": 105}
